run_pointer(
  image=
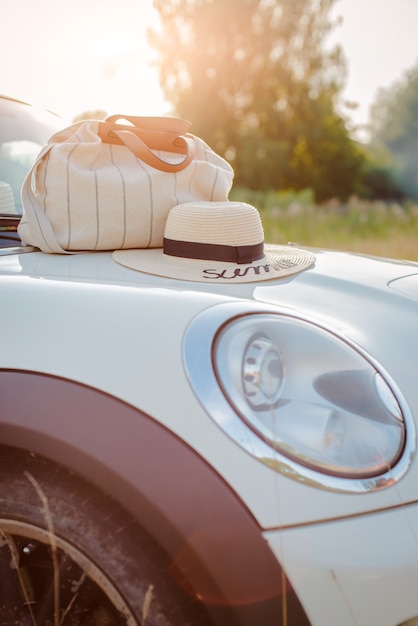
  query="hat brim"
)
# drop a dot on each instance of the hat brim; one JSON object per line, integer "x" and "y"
{"x": 278, "y": 262}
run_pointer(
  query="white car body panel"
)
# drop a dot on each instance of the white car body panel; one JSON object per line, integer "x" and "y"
{"x": 111, "y": 348}
{"x": 365, "y": 568}
{"x": 43, "y": 292}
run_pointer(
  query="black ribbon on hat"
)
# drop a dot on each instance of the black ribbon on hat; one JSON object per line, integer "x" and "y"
{"x": 213, "y": 251}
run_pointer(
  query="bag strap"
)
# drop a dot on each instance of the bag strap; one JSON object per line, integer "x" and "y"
{"x": 39, "y": 224}
{"x": 170, "y": 124}
{"x": 147, "y": 134}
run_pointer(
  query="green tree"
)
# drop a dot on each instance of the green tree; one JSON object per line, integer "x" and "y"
{"x": 394, "y": 130}
{"x": 257, "y": 81}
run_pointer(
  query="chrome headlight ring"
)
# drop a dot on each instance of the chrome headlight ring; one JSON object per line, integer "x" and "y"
{"x": 298, "y": 396}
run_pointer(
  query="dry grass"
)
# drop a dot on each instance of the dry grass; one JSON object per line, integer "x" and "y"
{"x": 386, "y": 229}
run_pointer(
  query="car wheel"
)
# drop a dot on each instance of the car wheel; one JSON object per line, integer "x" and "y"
{"x": 69, "y": 556}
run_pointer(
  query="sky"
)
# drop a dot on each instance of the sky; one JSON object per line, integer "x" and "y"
{"x": 70, "y": 56}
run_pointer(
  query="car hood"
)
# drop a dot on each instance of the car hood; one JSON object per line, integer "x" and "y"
{"x": 372, "y": 301}
{"x": 358, "y": 295}
{"x": 330, "y": 268}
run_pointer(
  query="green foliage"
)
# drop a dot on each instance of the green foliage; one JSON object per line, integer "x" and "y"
{"x": 395, "y": 131}
{"x": 257, "y": 81}
{"x": 377, "y": 177}
{"x": 271, "y": 201}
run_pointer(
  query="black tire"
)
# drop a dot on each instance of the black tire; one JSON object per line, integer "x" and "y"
{"x": 69, "y": 556}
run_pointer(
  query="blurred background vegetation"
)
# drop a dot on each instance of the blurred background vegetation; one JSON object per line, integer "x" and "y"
{"x": 261, "y": 83}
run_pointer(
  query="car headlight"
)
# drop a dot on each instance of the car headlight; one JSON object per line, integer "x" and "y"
{"x": 311, "y": 397}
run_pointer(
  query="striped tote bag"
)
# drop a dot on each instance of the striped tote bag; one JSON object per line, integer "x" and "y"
{"x": 110, "y": 185}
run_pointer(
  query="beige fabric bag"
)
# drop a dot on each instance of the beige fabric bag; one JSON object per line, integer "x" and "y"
{"x": 107, "y": 186}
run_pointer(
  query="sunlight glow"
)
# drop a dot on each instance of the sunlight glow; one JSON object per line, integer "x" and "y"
{"x": 70, "y": 57}
{"x": 100, "y": 60}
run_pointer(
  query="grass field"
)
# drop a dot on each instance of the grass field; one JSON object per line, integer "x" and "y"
{"x": 386, "y": 229}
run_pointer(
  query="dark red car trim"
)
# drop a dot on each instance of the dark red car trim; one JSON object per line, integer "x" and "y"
{"x": 184, "y": 504}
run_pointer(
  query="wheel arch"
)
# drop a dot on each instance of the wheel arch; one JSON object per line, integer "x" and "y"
{"x": 212, "y": 539}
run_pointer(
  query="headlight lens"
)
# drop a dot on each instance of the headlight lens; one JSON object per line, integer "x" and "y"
{"x": 309, "y": 395}
{"x": 262, "y": 373}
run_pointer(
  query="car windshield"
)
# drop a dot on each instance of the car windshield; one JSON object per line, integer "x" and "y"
{"x": 23, "y": 131}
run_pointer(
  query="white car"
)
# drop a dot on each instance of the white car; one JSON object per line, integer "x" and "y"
{"x": 181, "y": 452}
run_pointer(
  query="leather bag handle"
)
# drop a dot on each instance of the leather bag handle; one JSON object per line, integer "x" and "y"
{"x": 148, "y": 134}
{"x": 170, "y": 124}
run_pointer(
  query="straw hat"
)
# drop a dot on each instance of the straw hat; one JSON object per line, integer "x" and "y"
{"x": 216, "y": 242}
